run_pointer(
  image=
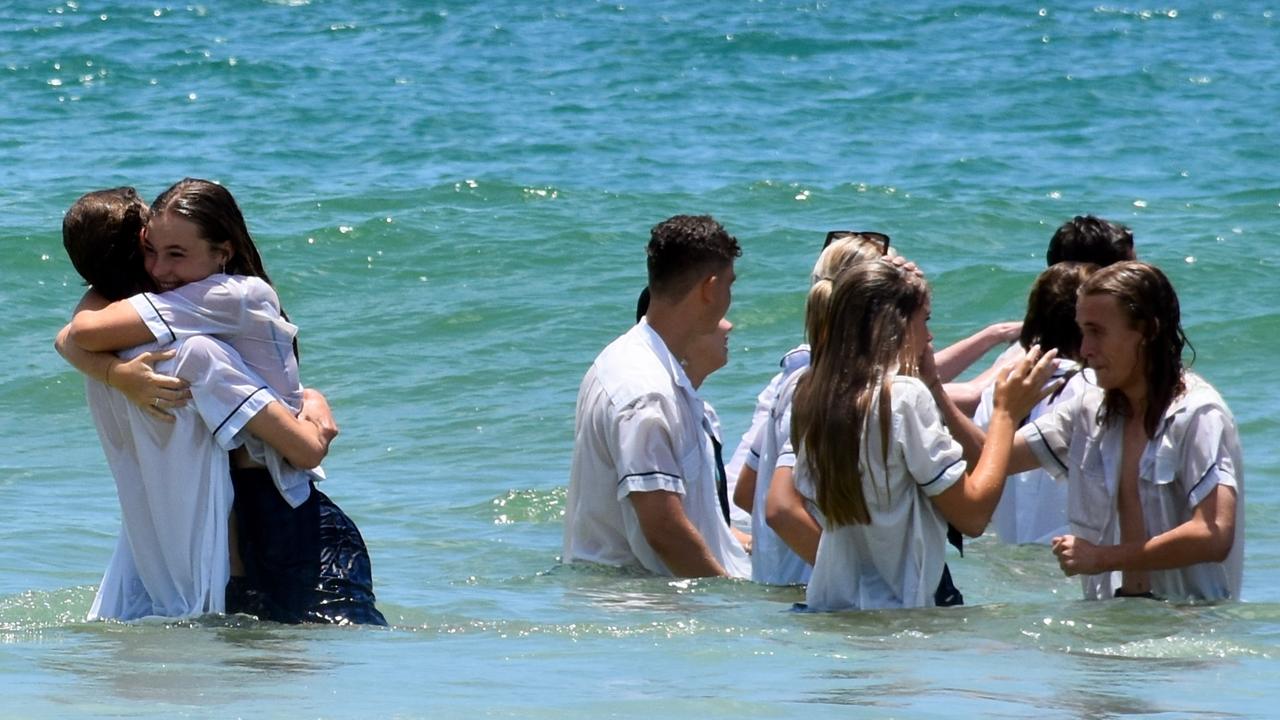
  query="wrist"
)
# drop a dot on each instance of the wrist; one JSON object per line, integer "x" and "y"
{"x": 115, "y": 362}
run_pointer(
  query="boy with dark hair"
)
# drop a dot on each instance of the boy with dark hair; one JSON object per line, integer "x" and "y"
{"x": 1089, "y": 239}
{"x": 642, "y": 489}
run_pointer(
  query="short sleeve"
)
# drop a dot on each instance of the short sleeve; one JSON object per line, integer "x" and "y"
{"x": 752, "y": 460}
{"x": 786, "y": 455}
{"x": 226, "y": 394}
{"x": 932, "y": 457}
{"x": 1049, "y": 436}
{"x": 219, "y": 305}
{"x": 781, "y": 419}
{"x": 645, "y": 457}
{"x": 1205, "y": 460}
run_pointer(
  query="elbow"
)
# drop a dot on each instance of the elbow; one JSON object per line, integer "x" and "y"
{"x": 60, "y": 342}
{"x": 86, "y": 339}
{"x": 309, "y": 457}
{"x": 1220, "y": 545}
{"x": 971, "y": 527}
{"x": 776, "y": 517}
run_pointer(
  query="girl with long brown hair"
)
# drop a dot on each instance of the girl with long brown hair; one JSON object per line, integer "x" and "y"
{"x": 885, "y": 475}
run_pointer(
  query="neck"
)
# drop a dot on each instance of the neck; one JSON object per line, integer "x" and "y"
{"x": 1136, "y": 397}
{"x": 671, "y": 322}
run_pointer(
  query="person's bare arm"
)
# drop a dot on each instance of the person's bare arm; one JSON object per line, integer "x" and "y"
{"x": 302, "y": 442}
{"x": 1207, "y": 537}
{"x": 964, "y": 429}
{"x": 114, "y": 326}
{"x": 136, "y": 378}
{"x": 957, "y": 357}
{"x": 969, "y": 503}
{"x": 744, "y": 493}
{"x": 788, "y": 517}
{"x": 669, "y": 532}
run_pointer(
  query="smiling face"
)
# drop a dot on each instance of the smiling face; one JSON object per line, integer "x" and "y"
{"x": 174, "y": 253}
{"x": 1110, "y": 345}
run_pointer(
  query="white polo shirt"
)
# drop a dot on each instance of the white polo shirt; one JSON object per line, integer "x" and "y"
{"x": 772, "y": 560}
{"x": 895, "y": 561}
{"x": 243, "y": 312}
{"x": 641, "y": 427}
{"x": 174, "y": 485}
{"x": 1195, "y": 450}
{"x": 1033, "y": 506}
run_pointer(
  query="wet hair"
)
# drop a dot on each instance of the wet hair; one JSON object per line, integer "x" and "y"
{"x": 867, "y": 342}
{"x": 100, "y": 234}
{"x": 212, "y": 209}
{"x": 683, "y": 250}
{"x": 1085, "y": 238}
{"x": 843, "y": 251}
{"x": 1148, "y": 300}
{"x": 1051, "y": 309}
{"x": 835, "y": 257}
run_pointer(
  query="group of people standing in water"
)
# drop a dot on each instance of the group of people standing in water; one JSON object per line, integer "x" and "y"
{"x": 864, "y": 459}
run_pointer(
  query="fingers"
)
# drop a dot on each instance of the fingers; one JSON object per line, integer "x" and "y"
{"x": 170, "y": 399}
{"x": 156, "y": 413}
{"x": 151, "y": 357}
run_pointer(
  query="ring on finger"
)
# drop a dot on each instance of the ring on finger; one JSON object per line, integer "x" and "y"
{"x": 156, "y": 402}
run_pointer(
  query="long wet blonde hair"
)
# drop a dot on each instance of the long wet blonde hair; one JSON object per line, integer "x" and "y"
{"x": 866, "y": 343}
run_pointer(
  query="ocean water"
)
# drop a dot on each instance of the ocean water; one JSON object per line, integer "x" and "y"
{"x": 453, "y": 199}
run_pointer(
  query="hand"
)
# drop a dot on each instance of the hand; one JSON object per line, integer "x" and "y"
{"x": 1022, "y": 385}
{"x": 928, "y": 367}
{"x": 1077, "y": 556}
{"x": 744, "y": 539}
{"x": 899, "y": 261}
{"x": 1005, "y": 332}
{"x": 156, "y": 394}
{"x": 315, "y": 410}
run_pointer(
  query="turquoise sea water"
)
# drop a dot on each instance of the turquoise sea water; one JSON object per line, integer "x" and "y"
{"x": 453, "y": 199}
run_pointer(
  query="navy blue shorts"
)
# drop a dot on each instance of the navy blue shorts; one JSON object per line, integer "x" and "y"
{"x": 303, "y": 564}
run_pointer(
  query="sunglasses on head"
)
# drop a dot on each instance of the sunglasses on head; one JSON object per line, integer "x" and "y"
{"x": 875, "y": 237}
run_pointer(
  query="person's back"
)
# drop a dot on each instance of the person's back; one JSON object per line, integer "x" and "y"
{"x": 773, "y": 562}
{"x": 172, "y": 557}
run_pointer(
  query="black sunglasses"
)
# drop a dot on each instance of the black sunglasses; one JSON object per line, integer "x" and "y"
{"x": 835, "y": 235}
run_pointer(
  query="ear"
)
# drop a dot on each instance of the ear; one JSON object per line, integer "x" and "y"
{"x": 709, "y": 286}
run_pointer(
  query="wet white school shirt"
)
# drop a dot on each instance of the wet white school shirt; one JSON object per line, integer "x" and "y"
{"x": 1033, "y": 505}
{"x": 1196, "y": 449}
{"x": 640, "y": 427}
{"x": 746, "y": 453}
{"x": 243, "y": 312}
{"x": 174, "y": 486}
{"x": 772, "y": 560}
{"x": 895, "y": 561}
